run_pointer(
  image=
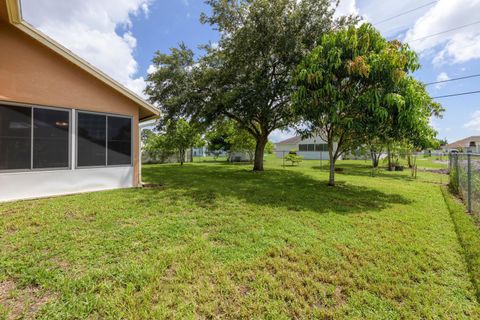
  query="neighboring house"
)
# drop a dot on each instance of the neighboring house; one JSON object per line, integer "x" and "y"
{"x": 200, "y": 152}
{"x": 65, "y": 127}
{"x": 148, "y": 158}
{"x": 240, "y": 156}
{"x": 470, "y": 144}
{"x": 205, "y": 152}
{"x": 310, "y": 149}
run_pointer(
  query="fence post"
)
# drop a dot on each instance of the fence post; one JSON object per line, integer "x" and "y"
{"x": 457, "y": 171}
{"x": 469, "y": 182}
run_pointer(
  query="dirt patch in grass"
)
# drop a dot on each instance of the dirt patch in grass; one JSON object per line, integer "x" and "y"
{"x": 439, "y": 171}
{"x": 152, "y": 186}
{"x": 22, "y": 303}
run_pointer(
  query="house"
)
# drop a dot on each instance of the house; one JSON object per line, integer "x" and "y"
{"x": 199, "y": 152}
{"x": 470, "y": 144}
{"x": 314, "y": 148}
{"x": 65, "y": 127}
{"x": 240, "y": 156}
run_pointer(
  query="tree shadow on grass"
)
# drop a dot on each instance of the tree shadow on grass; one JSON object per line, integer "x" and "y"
{"x": 288, "y": 189}
{"x": 366, "y": 171}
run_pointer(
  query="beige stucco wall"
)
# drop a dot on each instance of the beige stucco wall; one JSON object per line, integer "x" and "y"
{"x": 31, "y": 73}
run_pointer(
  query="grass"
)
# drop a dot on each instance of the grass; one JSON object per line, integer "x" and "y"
{"x": 468, "y": 236}
{"x": 218, "y": 241}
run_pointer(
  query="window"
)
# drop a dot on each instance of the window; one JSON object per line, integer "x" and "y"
{"x": 15, "y": 138}
{"x": 313, "y": 147}
{"x": 103, "y": 140}
{"x": 50, "y": 138}
{"x": 119, "y": 141}
{"x": 321, "y": 147}
{"x": 45, "y": 145}
{"x": 92, "y": 139}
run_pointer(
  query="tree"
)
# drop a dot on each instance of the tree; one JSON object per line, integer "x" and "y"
{"x": 156, "y": 146}
{"x": 293, "y": 158}
{"x": 171, "y": 84}
{"x": 230, "y": 137}
{"x": 216, "y": 138}
{"x": 247, "y": 77}
{"x": 270, "y": 147}
{"x": 241, "y": 140}
{"x": 355, "y": 87}
{"x": 181, "y": 136}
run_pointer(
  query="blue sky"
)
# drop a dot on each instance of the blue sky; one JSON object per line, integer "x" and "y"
{"x": 121, "y": 36}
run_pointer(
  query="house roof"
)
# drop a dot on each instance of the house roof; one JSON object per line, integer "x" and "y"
{"x": 10, "y": 11}
{"x": 293, "y": 140}
{"x": 464, "y": 143}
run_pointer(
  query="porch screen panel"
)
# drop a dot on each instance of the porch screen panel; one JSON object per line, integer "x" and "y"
{"x": 92, "y": 138}
{"x": 15, "y": 137}
{"x": 119, "y": 141}
{"x": 50, "y": 138}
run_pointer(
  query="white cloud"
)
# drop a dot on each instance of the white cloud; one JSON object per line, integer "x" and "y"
{"x": 89, "y": 28}
{"x": 279, "y": 135}
{"x": 376, "y": 12}
{"x": 346, "y": 7}
{"x": 151, "y": 69}
{"x": 474, "y": 123}
{"x": 458, "y": 46}
{"x": 442, "y": 76}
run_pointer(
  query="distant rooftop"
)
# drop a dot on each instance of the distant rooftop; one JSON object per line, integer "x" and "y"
{"x": 292, "y": 140}
{"x": 464, "y": 143}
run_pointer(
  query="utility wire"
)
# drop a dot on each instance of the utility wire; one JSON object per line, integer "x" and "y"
{"x": 457, "y": 94}
{"x": 446, "y": 31}
{"x": 453, "y": 79}
{"x": 404, "y": 13}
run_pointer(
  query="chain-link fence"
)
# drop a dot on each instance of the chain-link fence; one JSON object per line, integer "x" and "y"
{"x": 465, "y": 178}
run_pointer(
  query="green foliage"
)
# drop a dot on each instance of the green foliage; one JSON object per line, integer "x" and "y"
{"x": 178, "y": 137}
{"x": 247, "y": 77}
{"x": 171, "y": 85}
{"x": 216, "y": 138}
{"x": 228, "y": 136}
{"x": 270, "y": 147}
{"x": 293, "y": 158}
{"x": 156, "y": 146}
{"x": 181, "y": 136}
{"x": 355, "y": 87}
{"x": 241, "y": 140}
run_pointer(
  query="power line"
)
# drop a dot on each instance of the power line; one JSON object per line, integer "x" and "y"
{"x": 457, "y": 94}
{"x": 406, "y": 12}
{"x": 446, "y": 31}
{"x": 453, "y": 79}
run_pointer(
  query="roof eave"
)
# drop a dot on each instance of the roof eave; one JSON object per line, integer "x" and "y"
{"x": 15, "y": 16}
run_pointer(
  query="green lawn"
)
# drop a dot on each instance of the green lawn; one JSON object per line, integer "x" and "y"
{"x": 218, "y": 241}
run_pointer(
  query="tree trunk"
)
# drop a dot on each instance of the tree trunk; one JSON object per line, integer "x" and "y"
{"x": 259, "y": 152}
{"x": 375, "y": 158}
{"x": 389, "y": 155}
{"x": 182, "y": 157}
{"x": 331, "y": 179}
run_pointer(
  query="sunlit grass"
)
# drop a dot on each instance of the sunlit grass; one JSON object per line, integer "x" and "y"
{"x": 216, "y": 240}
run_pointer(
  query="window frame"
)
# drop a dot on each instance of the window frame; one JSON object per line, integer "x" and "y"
{"x": 107, "y": 115}
{"x": 32, "y": 108}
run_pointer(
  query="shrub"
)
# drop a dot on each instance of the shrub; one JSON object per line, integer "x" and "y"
{"x": 293, "y": 158}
